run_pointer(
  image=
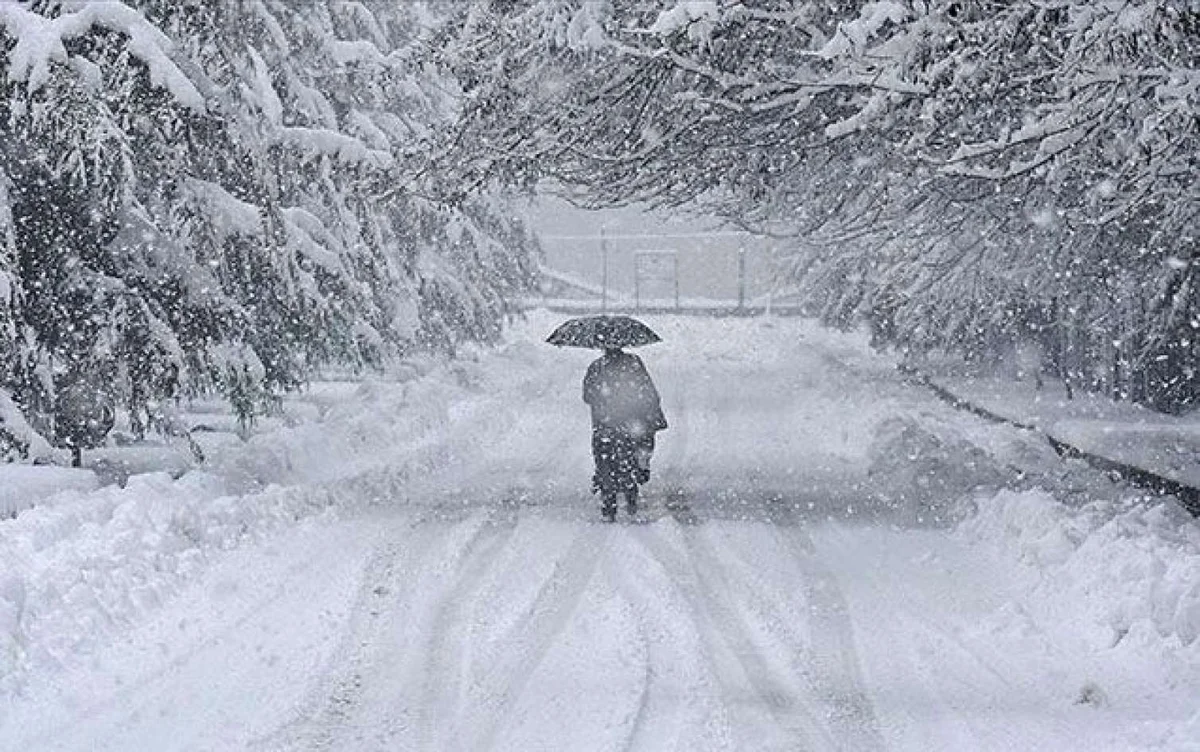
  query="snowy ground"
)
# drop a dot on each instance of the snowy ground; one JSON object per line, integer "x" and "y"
{"x": 830, "y": 559}
{"x": 1168, "y": 445}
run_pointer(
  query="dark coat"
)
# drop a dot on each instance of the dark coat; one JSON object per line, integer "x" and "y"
{"x": 622, "y": 395}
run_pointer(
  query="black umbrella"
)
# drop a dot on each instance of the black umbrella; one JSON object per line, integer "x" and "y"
{"x": 599, "y": 332}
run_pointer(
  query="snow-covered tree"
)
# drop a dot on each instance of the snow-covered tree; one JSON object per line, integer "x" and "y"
{"x": 960, "y": 172}
{"x": 201, "y": 196}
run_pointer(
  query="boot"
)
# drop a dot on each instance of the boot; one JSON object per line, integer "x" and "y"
{"x": 608, "y": 507}
{"x": 631, "y": 501}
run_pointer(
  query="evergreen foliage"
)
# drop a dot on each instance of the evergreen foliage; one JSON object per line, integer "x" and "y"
{"x": 200, "y": 196}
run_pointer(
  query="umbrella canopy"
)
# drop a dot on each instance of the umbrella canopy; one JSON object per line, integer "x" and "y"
{"x": 599, "y": 332}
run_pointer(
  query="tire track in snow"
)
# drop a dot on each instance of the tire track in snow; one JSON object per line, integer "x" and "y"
{"x": 318, "y": 722}
{"x": 388, "y": 594}
{"x": 445, "y": 666}
{"x": 661, "y": 720}
{"x": 927, "y": 651}
{"x": 616, "y": 574}
{"x": 839, "y": 678}
{"x": 703, "y": 583}
{"x": 532, "y": 636}
{"x": 322, "y": 722}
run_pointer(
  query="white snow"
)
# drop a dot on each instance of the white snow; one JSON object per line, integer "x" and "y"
{"x": 1113, "y": 594}
{"x": 415, "y": 563}
{"x": 40, "y": 42}
{"x": 309, "y": 235}
{"x": 852, "y": 37}
{"x": 1121, "y": 431}
{"x": 234, "y": 357}
{"x": 264, "y": 91}
{"x": 230, "y": 215}
{"x": 1136, "y": 569}
{"x": 870, "y": 112}
{"x": 14, "y": 424}
{"x": 310, "y": 102}
{"x": 586, "y": 30}
{"x": 149, "y": 250}
{"x": 697, "y": 17}
{"x": 24, "y": 486}
{"x": 362, "y": 124}
{"x": 325, "y": 142}
{"x": 351, "y": 51}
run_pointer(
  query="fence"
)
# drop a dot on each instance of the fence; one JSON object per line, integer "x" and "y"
{"x": 566, "y": 293}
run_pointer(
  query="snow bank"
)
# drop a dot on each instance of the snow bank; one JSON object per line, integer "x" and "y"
{"x": 87, "y": 564}
{"x": 22, "y": 486}
{"x": 925, "y": 473}
{"x": 1133, "y": 567}
{"x": 366, "y": 426}
{"x": 78, "y": 571}
{"x": 1167, "y": 445}
{"x": 1121, "y": 580}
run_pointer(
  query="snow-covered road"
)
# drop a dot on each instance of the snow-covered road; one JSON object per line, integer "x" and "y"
{"x": 793, "y": 584}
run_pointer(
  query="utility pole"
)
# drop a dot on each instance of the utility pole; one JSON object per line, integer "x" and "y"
{"x": 676, "y": 258}
{"x": 741, "y": 279}
{"x": 637, "y": 282}
{"x": 604, "y": 283}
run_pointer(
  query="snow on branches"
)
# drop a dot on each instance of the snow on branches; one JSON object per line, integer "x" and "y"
{"x": 959, "y": 173}
{"x": 221, "y": 196}
{"x": 42, "y": 41}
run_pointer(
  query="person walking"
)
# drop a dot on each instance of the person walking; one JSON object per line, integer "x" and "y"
{"x": 626, "y": 409}
{"x": 626, "y": 414}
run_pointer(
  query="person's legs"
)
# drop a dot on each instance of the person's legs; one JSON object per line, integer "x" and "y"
{"x": 644, "y": 450}
{"x": 605, "y": 481}
{"x": 626, "y": 462}
{"x": 618, "y": 469}
{"x": 608, "y": 506}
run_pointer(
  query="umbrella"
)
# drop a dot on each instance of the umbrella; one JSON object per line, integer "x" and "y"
{"x": 599, "y": 332}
